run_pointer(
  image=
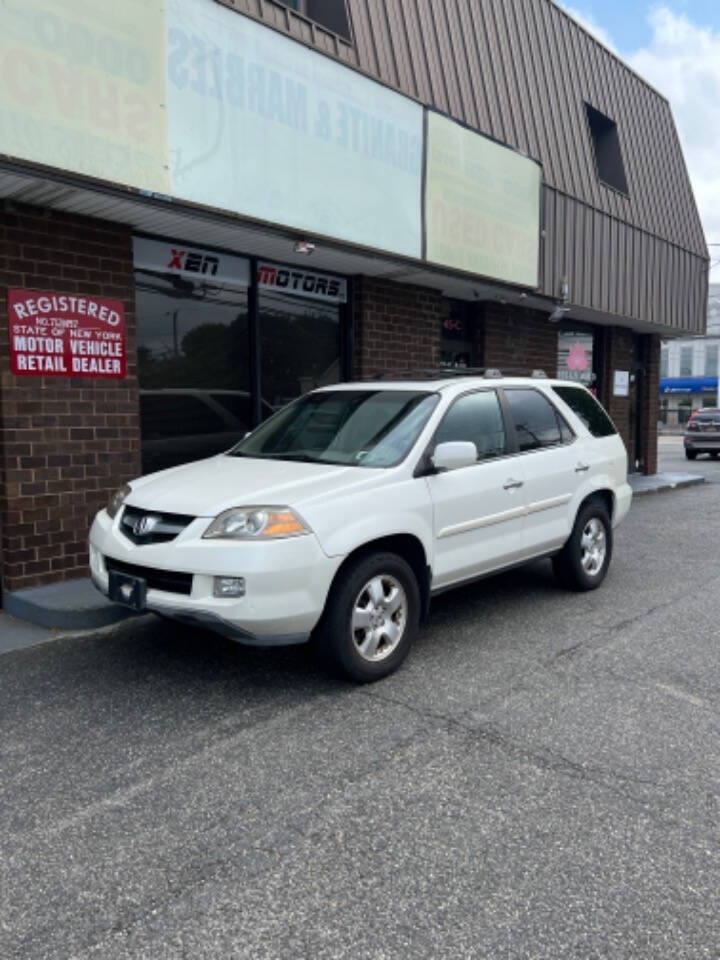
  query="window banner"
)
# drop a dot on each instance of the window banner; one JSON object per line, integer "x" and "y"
{"x": 482, "y": 205}
{"x": 302, "y": 283}
{"x": 263, "y": 126}
{"x": 66, "y": 335}
{"x": 190, "y": 263}
{"x": 83, "y": 88}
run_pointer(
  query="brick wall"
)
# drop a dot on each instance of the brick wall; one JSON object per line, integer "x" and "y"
{"x": 651, "y": 401}
{"x": 397, "y": 326}
{"x": 618, "y": 352}
{"x": 65, "y": 444}
{"x": 517, "y": 338}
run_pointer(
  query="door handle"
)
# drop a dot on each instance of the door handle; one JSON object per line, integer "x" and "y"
{"x": 512, "y": 484}
{"x": 582, "y": 468}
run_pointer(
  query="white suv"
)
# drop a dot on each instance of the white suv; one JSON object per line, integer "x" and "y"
{"x": 344, "y": 512}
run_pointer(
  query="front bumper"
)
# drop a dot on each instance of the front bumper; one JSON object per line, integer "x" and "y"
{"x": 286, "y": 581}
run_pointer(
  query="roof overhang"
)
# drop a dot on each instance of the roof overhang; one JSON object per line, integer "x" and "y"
{"x": 167, "y": 218}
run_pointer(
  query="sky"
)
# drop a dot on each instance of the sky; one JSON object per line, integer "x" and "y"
{"x": 675, "y": 46}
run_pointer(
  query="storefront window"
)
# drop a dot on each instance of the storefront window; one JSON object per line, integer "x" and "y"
{"x": 711, "y": 360}
{"x": 192, "y": 333}
{"x": 575, "y": 356}
{"x": 686, "y": 354}
{"x": 459, "y": 336}
{"x": 300, "y": 347}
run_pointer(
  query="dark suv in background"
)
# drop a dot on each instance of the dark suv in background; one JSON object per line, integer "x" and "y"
{"x": 702, "y": 433}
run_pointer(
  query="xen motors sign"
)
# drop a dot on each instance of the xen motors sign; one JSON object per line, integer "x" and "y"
{"x": 302, "y": 283}
{"x": 191, "y": 263}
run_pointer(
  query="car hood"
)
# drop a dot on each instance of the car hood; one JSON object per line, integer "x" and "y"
{"x": 207, "y": 487}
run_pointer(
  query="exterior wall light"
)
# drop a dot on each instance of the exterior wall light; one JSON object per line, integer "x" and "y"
{"x": 304, "y": 246}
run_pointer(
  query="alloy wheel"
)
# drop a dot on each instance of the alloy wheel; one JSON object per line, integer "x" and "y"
{"x": 379, "y": 617}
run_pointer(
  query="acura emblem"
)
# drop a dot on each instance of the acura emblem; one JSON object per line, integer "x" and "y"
{"x": 145, "y": 525}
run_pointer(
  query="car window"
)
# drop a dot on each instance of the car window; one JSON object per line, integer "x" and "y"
{"x": 584, "y": 405}
{"x": 477, "y": 418}
{"x": 537, "y": 422}
{"x": 360, "y": 428}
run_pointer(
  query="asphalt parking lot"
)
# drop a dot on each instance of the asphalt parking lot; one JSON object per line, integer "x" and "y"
{"x": 671, "y": 458}
{"x": 541, "y": 780}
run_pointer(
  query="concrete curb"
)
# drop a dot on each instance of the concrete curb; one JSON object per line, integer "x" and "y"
{"x": 660, "y": 484}
{"x": 72, "y": 605}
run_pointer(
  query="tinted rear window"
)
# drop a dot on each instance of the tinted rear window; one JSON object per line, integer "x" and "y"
{"x": 537, "y": 423}
{"x": 584, "y": 405}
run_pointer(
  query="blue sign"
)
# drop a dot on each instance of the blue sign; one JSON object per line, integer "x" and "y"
{"x": 689, "y": 385}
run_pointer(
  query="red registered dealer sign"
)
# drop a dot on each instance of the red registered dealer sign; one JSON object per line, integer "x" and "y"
{"x": 65, "y": 335}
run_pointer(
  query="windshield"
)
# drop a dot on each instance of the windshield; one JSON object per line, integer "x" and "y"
{"x": 355, "y": 428}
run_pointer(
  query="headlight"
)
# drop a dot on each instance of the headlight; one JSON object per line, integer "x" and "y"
{"x": 257, "y": 523}
{"x": 117, "y": 500}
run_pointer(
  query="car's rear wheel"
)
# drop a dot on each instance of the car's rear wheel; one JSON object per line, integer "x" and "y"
{"x": 715, "y": 454}
{"x": 690, "y": 454}
{"x": 584, "y": 560}
{"x": 372, "y": 617}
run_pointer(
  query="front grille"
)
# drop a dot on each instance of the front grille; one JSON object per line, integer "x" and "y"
{"x": 161, "y": 527}
{"x": 166, "y": 580}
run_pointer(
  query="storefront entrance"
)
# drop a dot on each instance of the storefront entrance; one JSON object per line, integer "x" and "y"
{"x": 224, "y": 341}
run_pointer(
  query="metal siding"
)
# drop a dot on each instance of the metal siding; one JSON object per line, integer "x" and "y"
{"x": 488, "y": 55}
{"x": 477, "y": 112}
{"x": 521, "y": 71}
{"x": 457, "y": 104}
{"x": 551, "y": 152}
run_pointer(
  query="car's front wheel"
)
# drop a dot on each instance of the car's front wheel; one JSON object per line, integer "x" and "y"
{"x": 690, "y": 454}
{"x": 584, "y": 560}
{"x": 372, "y": 617}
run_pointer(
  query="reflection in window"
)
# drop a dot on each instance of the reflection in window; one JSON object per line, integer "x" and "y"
{"x": 475, "y": 418}
{"x": 606, "y": 143}
{"x": 537, "y": 422}
{"x": 360, "y": 428}
{"x": 586, "y": 407}
{"x": 331, "y": 14}
{"x": 686, "y": 355}
{"x": 711, "y": 360}
{"x": 192, "y": 368}
{"x": 575, "y": 356}
{"x": 300, "y": 341}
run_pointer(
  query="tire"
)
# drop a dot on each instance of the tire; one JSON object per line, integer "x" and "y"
{"x": 691, "y": 454}
{"x": 365, "y": 593}
{"x": 715, "y": 454}
{"x": 575, "y": 566}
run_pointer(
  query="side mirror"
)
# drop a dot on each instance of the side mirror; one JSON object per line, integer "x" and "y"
{"x": 454, "y": 454}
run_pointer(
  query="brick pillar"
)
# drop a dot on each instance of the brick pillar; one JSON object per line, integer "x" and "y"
{"x": 397, "y": 326}
{"x": 618, "y": 354}
{"x": 517, "y": 338}
{"x": 651, "y": 401}
{"x": 65, "y": 443}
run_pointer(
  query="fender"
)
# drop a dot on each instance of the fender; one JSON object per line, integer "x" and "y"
{"x": 593, "y": 484}
{"x": 404, "y": 507}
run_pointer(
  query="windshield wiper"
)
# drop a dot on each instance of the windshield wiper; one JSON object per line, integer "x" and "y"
{"x": 296, "y": 457}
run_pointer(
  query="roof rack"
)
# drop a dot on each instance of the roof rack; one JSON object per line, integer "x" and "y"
{"x": 447, "y": 373}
